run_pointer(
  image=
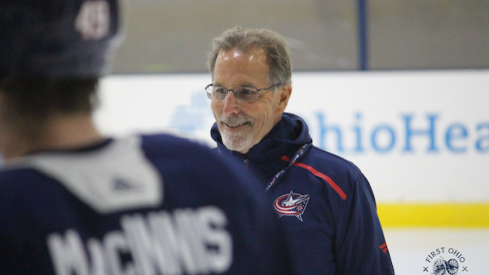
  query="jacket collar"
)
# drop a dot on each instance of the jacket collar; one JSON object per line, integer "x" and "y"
{"x": 265, "y": 157}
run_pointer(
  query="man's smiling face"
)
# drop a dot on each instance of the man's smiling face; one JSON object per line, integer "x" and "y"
{"x": 244, "y": 124}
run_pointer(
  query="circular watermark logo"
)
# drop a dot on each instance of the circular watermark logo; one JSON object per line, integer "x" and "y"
{"x": 445, "y": 261}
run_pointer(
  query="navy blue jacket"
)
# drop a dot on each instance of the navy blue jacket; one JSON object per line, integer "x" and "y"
{"x": 139, "y": 205}
{"x": 326, "y": 203}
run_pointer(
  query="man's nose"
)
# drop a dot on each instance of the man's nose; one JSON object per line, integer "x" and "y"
{"x": 230, "y": 104}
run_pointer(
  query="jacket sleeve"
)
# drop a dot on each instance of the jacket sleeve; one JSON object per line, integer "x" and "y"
{"x": 360, "y": 244}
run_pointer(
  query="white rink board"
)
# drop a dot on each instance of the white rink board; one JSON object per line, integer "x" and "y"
{"x": 418, "y": 136}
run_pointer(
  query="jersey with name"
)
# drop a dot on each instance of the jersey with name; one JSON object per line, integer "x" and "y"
{"x": 154, "y": 204}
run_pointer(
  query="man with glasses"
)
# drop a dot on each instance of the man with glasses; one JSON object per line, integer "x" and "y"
{"x": 73, "y": 201}
{"x": 324, "y": 201}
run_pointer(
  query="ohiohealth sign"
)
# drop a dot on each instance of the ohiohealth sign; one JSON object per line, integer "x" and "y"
{"x": 418, "y": 136}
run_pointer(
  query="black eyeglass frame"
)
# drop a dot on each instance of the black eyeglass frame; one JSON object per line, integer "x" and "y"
{"x": 209, "y": 94}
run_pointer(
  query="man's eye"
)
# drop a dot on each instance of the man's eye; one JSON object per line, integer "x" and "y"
{"x": 247, "y": 92}
{"x": 220, "y": 91}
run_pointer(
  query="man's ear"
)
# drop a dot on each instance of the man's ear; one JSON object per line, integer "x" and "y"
{"x": 285, "y": 92}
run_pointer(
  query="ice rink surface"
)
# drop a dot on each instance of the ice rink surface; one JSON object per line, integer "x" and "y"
{"x": 415, "y": 250}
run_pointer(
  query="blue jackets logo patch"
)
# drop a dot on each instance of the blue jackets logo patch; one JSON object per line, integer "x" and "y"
{"x": 292, "y": 204}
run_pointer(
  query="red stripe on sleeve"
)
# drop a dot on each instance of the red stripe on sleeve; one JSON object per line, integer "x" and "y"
{"x": 320, "y": 175}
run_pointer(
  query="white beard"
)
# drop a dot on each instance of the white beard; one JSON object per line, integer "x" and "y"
{"x": 237, "y": 142}
{"x": 241, "y": 141}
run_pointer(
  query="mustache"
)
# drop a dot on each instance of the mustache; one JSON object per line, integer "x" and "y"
{"x": 234, "y": 120}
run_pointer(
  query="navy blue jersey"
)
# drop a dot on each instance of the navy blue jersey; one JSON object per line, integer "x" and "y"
{"x": 139, "y": 205}
{"x": 325, "y": 202}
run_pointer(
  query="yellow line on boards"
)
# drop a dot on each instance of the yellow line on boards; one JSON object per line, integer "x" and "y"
{"x": 434, "y": 215}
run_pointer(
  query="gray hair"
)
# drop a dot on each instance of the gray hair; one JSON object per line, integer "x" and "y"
{"x": 278, "y": 53}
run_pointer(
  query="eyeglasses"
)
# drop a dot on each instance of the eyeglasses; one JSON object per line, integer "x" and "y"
{"x": 243, "y": 94}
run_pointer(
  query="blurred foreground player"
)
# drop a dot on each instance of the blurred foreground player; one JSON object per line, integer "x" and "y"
{"x": 75, "y": 202}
